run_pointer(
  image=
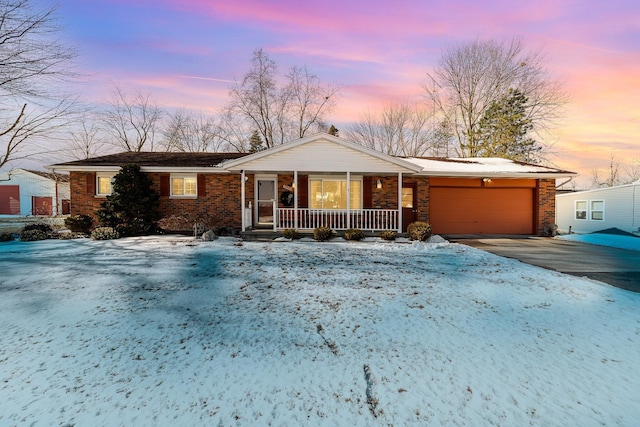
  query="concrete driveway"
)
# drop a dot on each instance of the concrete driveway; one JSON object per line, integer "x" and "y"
{"x": 617, "y": 267}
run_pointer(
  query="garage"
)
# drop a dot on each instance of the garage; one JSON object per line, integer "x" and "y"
{"x": 482, "y": 206}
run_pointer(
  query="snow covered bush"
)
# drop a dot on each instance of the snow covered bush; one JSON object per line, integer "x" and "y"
{"x": 322, "y": 234}
{"x": 388, "y": 235}
{"x": 32, "y": 235}
{"x": 105, "y": 233}
{"x": 6, "y": 237}
{"x": 40, "y": 226}
{"x": 419, "y": 230}
{"x": 291, "y": 233}
{"x": 79, "y": 223}
{"x": 353, "y": 234}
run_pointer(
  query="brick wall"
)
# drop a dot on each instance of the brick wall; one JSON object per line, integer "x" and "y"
{"x": 220, "y": 201}
{"x": 546, "y": 204}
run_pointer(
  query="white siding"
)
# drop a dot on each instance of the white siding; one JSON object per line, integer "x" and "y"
{"x": 35, "y": 185}
{"x": 322, "y": 156}
{"x": 621, "y": 209}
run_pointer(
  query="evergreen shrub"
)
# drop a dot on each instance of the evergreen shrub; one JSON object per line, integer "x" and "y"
{"x": 419, "y": 230}
{"x": 322, "y": 234}
{"x": 105, "y": 233}
{"x": 79, "y": 223}
{"x": 389, "y": 235}
{"x": 32, "y": 235}
{"x": 353, "y": 234}
{"x": 291, "y": 233}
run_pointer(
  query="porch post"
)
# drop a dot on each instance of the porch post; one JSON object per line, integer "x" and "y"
{"x": 399, "y": 202}
{"x": 348, "y": 200}
{"x": 242, "y": 196}
{"x": 295, "y": 199}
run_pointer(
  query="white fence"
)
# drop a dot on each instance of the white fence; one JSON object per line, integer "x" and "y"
{"x": 364, "y": 219}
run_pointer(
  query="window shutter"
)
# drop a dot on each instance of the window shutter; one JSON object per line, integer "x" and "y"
{"x": 303, "y": 191}
{"x": 91, "y": 184}
{"x": 367, "y": 192}
{"x": 165, "y": 185}
{"x": 202, "y": 186}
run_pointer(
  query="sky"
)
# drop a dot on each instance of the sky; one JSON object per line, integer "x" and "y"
{"x": 186, "y": 53}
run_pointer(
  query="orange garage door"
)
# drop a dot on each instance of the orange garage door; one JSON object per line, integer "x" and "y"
{"x": 481, "y": 210}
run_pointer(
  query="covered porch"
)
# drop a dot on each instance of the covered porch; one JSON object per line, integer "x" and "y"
{"x": 304, "y": 201}
{"x": 324, "y": 181}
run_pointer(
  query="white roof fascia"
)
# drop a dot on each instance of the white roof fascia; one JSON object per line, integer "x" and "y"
{"x": 165, "y": 169}
{"x": 530, "y": 175}
{"x": 237, "y": 163}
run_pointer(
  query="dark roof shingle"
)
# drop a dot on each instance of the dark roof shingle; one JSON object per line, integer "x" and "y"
{"x": 159, "y": 159}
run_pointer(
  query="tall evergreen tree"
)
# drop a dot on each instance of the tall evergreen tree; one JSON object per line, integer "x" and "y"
{"x": 255, "y": 142}
{"x": 503, "y": 130}
{"x": 133, "y": 206}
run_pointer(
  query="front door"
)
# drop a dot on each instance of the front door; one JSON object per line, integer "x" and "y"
{"x": 265, "y": 195}
{"x": 409, "y": 204}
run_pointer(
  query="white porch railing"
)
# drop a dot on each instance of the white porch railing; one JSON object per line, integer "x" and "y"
{"x": 364, "y": 219}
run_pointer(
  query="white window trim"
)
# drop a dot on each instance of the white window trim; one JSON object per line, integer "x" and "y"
{"x": 596, "y": 210}
{"x": 586, "y": 210}
{"x": 337, "y": 178}
{"x": 99, "y": 175}
{"x": 182, "y": 196}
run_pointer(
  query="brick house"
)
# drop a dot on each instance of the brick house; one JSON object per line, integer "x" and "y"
{"x": 326, "y": 180}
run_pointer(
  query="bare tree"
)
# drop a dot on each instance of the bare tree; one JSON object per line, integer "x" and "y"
{"x": 131, "y": 120}
{"x": 471, "y": 77}
{"x": 85, "y": 139}
{"x": 399, "y": 130}
{"x": 33, "y": 66}
{"x": 190, "y": 132}
{"x": 309, "y": 100}
{"x": 616, "y": 173}
{"x": 280, "y": 111}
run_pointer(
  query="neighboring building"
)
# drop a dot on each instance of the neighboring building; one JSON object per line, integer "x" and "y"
{"x": 600, "y": 209}
{"x": 28, "y": 192}
{"x": 326, "y": 180}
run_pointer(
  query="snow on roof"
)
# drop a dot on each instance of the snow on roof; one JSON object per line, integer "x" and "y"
{"x": 489, "y": 166}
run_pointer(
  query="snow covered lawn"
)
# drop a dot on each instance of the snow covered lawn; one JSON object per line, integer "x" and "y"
{"x": 168, "y": 331}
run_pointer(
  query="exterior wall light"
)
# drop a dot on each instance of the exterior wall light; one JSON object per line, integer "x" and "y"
{"x": 379, "y": 184}
{"x": 486, "y": 179}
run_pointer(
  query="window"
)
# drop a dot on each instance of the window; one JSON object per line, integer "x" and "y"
{"x": 104, "y": 184}
{"x": 407, "y": 197}
{"x": 331, "y": 193}
{"x": 597, "y": 210}
{"x": 184, "y": 186}
{"x": 581, "y": 209}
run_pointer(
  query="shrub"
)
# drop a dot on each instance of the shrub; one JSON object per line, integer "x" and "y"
{"x": 419, "y": 230}
{"x": 133, "y": 207}
{"x": 79, "y": 223}
{"x": 225, "y": 230}
{"x": 32, "y": 235}
{"x": 322, "y": 234}
{"x": 105, "y": 233}
{"x": 6, "y": 237}
{"x": 353, "y": 234}
{"x": 388, "y": 235}
{"x": 39, "y": 226}
{"x": 291, "y": 233}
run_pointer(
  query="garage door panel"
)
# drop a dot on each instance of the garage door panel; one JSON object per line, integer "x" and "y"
{"x": 481, "y": 210}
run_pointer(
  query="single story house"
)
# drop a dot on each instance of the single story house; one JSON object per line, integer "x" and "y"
{"x": 323, "y": 180}
{"x": 600, "y": 209}
{"x": 27, "y": 192}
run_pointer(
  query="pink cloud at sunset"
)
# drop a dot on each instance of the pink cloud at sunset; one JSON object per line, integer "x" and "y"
{"x": 185, "y": 53}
